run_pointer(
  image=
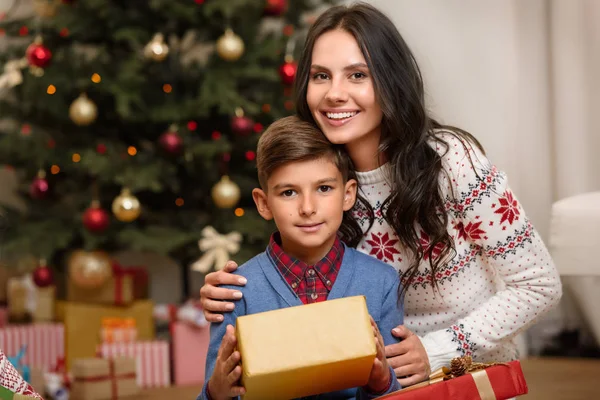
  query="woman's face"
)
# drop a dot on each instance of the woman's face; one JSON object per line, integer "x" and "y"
{"x": 340, "y": 93}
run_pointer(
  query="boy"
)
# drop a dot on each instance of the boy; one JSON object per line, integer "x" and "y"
{"x": 305, "y": 189}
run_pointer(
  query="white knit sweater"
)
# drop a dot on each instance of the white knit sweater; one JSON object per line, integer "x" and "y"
{"x": 501, "y": 279}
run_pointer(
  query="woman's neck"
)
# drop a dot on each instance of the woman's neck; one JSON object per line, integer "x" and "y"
{"x": 365, "y": 153}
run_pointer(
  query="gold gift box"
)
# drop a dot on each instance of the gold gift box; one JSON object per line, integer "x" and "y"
{"x": 83, "y": 324}
{"x": 19, "y": 297}
{"x": 97, "y": 379}
{"x": 117, "y": 291}
{"x": 306, "y": 350}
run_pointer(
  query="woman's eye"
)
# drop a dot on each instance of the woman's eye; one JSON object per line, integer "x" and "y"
{"x": 358, "y": 75}
{"x": 319, "y": 76}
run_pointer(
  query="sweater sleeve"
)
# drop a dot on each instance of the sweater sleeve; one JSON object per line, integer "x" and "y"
{"x": 485, "y": 213}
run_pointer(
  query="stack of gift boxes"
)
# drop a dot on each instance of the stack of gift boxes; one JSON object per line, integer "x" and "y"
{"x": 101, "y": 341}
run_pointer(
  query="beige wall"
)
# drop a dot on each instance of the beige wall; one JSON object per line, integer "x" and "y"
{"x": 485, "y": 68}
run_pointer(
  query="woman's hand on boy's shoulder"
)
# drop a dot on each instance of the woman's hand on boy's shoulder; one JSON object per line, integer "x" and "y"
{"x": 212, "y": 296}
{"x": 225, "y": 380}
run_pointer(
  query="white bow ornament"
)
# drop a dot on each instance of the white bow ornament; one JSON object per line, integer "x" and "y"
{"x": 12, "y": 75}
{"x": 217, "y": 249}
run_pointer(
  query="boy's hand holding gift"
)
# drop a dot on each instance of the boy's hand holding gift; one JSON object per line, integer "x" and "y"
{"x": 380, "y": 378}
{"x": 225, "y": 381}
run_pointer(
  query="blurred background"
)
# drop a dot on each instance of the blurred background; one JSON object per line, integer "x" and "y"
{"x": 127, "y": 135}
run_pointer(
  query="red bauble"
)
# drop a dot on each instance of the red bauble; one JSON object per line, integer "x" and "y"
{"x": 171, "y": 142}
{"x": 242, "y": 125}
{"x": 39, "y": 188}
{"x": 288, "y": 72}
{"x": 96, "y": 219}
{"x": 275, "y": 7}
{"x": 38, "y": 55}
{"x": 42, "y": 276}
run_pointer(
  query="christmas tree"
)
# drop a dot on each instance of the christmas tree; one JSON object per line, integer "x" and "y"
{"x": 133, "y": 124}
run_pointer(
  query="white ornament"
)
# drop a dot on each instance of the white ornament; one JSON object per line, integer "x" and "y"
{"x": 12, "y": 75}
{"x": 217, "y": 249}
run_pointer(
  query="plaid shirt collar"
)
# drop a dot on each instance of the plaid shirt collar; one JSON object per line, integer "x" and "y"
{"x": 293, "y": 269}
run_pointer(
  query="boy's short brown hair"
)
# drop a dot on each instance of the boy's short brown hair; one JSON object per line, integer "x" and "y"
{"x": 291, "y": 139}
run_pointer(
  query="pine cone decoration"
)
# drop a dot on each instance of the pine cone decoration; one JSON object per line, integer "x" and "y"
{"x": 460, "y": 365}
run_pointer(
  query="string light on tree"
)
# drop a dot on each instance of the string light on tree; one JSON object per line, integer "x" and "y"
{"x": 39, "y": 186}
{"x": 95, "y": 218}
{"x": 241, "y": 124}
{"x": 225, "y": 193}
{"x": 126, "y": 207}
{"x": 230, "y": 46}
{"x": 83, "y": 111}
{"x": 156, "y": 49}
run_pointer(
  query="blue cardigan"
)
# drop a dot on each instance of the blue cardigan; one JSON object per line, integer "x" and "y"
{"x": 267, "y": 290}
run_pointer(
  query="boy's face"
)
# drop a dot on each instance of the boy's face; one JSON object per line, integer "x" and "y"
{"x": 307, "y": 200}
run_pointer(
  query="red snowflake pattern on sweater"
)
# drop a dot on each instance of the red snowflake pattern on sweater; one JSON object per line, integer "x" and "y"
{"x": 509, "y": 208}
{"x": 471, "y": 231}
{"x": 382, "y": 247}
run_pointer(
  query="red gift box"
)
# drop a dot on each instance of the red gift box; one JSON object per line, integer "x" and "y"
{"x": 189, "y": 349}
{"x": 139, "y": 276}
{"x": 45, "y": 343}
{"x": 498, "y": 382}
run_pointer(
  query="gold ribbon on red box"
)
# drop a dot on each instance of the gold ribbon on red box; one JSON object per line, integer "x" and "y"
{"x": 489, "y": 381}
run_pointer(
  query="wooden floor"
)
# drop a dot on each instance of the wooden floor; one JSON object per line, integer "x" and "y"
{"x": 547, "y": 378}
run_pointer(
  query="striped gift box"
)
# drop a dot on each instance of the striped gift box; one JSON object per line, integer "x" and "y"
{"x": 153, "y": 362}
{"x": 45, "y": 343}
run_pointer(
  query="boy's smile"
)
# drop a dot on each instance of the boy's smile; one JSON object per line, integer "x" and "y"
{"x": 307, "y": 200}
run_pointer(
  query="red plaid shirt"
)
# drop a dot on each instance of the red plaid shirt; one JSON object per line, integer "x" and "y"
{"x": 311, "y": 284}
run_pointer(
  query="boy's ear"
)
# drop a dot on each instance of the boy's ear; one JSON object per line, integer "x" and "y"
{"x": 260, "y": 199}
{"x": 350, "y": 194}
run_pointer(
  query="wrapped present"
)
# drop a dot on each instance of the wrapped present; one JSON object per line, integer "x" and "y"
{"x": 84, "y": 321}
{"x": 117, "y": 330}
{"x": 118, "y": 290}
{"x": 154, "y": 366}
{"x": 99, "y": 379}
{"x": 140, "y": 281}
{"x": 27, "y": 302}
{"x": 3, "y": 316}
{"x": 6, "y": 394}
{"x": 44, "y": 341}
{"x": 465, "y": 380}
{"x": 274, "y": 369}
{"x": 189, "y": 345}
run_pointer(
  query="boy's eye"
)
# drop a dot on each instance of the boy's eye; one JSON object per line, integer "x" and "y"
{"x": 325, "y": 188}
{"x": 288, "y": 193}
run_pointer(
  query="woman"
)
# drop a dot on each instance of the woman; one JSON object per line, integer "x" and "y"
{"x": 475, "y": 272}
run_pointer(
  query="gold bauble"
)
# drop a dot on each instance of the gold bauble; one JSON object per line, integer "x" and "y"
{"x": 126, "y": 206}
{"x": 89, "y": 269}
{"x": 225, "y": 193}
{"x": 230, "y": 46}
{"x": 83, "y": 111}
{"x": 45, "y": 8}
{"x": 156, "y": 49}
